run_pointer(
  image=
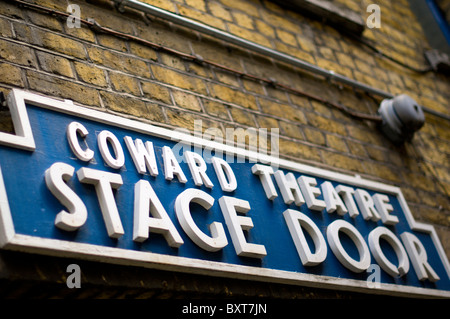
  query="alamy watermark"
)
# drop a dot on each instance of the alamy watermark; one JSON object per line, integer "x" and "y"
{"x": 74, "y": 279}
{"x": 374, "y": 19}
{"x": 257, "y": 143}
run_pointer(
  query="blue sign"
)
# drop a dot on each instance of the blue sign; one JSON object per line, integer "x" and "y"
{"x": 85, "y": 183}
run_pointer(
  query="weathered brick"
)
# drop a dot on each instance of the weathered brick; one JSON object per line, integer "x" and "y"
{"x": 60, "y": 44}
{"x": 314, "y": 136}
{"x": 55, "y": 64}
{"x": 118, "y": 61}
{"x": 124, "y": 83}
{"x": 216, "y": 109}
{"x": 5, "y": 28}
{"x": 16, "y": 53}
{"x": 242, "y": 117}
{"x": 342, "y": 161}
{"x": 234, "y": 96}
{"x": 326, "y": 124}
{"x": 336, "y": 142}
{"x": 11, "y": 74}
{"x": 62, "y": 88}
{"x": 183, "y": 81}
{"x": 298, "y": 150}
{"x": 156, "y": 92}
{"x": 90, "y": 74}
{"x": 186, "y": 100}
{"x": 281, "y": 110}
{"x": 291, "y": 130}
{"x": 131, "y": 106}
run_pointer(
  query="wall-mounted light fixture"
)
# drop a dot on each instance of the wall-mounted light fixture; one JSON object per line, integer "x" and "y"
{"x": 401, "y": 118}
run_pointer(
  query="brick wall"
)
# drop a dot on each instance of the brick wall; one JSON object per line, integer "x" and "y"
{"x": 40, "y": 53}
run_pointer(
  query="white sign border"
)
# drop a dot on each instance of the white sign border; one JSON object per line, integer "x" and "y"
{"x": 12, "y": 241}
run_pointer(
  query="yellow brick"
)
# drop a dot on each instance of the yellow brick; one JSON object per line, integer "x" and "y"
{"x": 265, "y": 29}
{"x": 16, "y": 53}
{"x": 62, "y": 88}
{"x": 10, "y": 74}
{"x": 234, "y": 96}
{"x": 186, "y": 100}
{"x": 55, "y": 64}
{"x": 242, "y": 117}
{"x": 219, "y": 11}
{"x": 90, "y": 74}
{"x": 282, "y": 110}
{"x": 61, "y": 44}
{"x": 249, "y": 35}
{"x": 325, "y": 124}
{"x": 298, "y": 150}
{"x": 156, "y": 92}
{"x": 243, "y": 20}
{"x": 216, "y": 109}
{"x": 287, "y": 37}
{"x": 119, "y": 61}
{"x": 197, "y": 4}
{"x": 336, "y": 142}
{"x": 124, "y": 83}
{"x": 241, "y": 5}
{"x": 201, "y": 16}
{"x": 342, "y": 161}
{"x": 163, "y": 4}
{"x": 314, "y": 136}
{"x": 183, "y": 81}
{"x": 291, "y": 130}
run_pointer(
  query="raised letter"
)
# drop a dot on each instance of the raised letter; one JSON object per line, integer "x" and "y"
{"x": 73, "y": 129}
{"x": 347, "y": 194}
{"x": 296, "y": 222}
{"x": 264, "y": 173}
{"x": 143, "y": 156}
{"x": 366, "y": 205}
{"x": 418, "y": 256}
{"x": 338, "y": 250}
{"x": 332, "y": 199}
{"x": 197, "y": 166}
{"x": 218, "y": 239}
{"x": 104, "y": 182}
{"x": 230, "y": 206}
{"x": 228, "y": 183}
{"x": 55, "y": 179}
{"x": 289, "y": 188}
{"x": 384, "y": 208}
{"x": 116, "y": 161}
{"x": 310, "y": 192}
{"x": 375, "y": 248}
{"x": 171, "y": 166}
{"x": 146, "y": 202}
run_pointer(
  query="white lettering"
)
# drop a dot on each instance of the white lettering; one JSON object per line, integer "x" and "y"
{"x": 310, "y": 192}
{"x": 336, "y": 246}
{"x": 228, "y": 183}
{"x": 73, "y": 129}
{"x": 366, "y": 205}
{"x": 55, "y": 179}
{"x": 289, "y": 188}
{"x": 347, "y": 194}
{"x": 116, "y": 161}
{"x": 419, "y": 258}
{"x": 104, "y": 182}
{"x": 218, "y": 239}
{"x": 332, "y": 199}
{"x": 384, "y": 208}
{"x": 298, "y": 221}
{"x": 197, "y": 166}
{"x": 375, "y": 248}
{"x": 143, "y": 156}
{"x": 171, "y": 166}
{"x": 264, "y": 173}
{"x": 236, "y": 224}
{"x": 145, "y": 201}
